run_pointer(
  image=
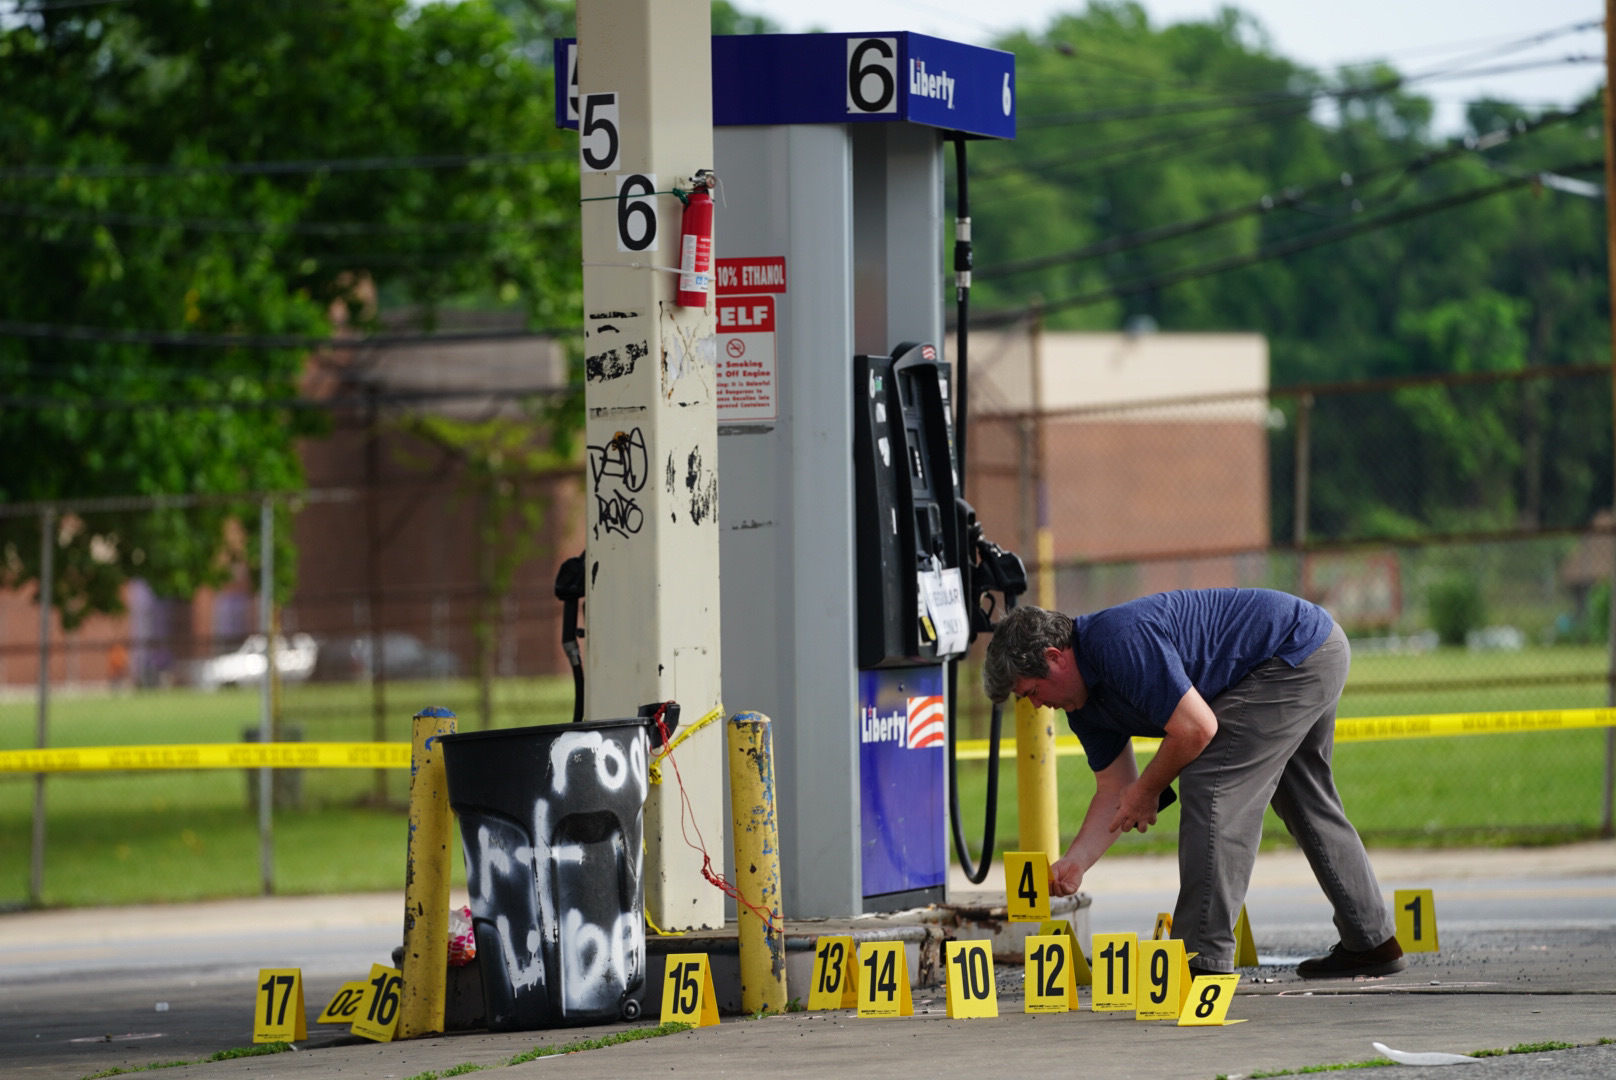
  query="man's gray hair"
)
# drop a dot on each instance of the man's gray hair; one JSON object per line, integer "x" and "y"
{"x": 1016, "y": 649}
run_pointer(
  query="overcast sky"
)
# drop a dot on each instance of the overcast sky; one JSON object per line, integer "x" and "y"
{"x": 1416, "y": 35}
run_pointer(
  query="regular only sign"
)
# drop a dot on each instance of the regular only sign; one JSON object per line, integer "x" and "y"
{"x": 747, "y": 388}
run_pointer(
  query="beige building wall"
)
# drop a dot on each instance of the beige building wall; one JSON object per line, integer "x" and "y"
{"x": 1151, "y": 446}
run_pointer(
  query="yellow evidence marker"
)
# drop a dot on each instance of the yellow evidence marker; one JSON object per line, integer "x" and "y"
{"x": 1164, "y": 980}
{"x": 1164, "y": 927}
{"x": 380, "y": 1004}
{"x": 883, "y": 984}
{"x": 969, "y": 977}
{"x": 1115, "y": 957}
{"x": 1207, "y": 1004}
{"x": 278, "y": 1014}
{"x": 344, "y": 1004}
{"x": 1245, "y": 946}
{"x": 1081, "y": 975}
{"x": 1416, "y": 920}
{"x": 1028, "y": 900}
{"x": 835, "y": 981}
{"x": 1050, "y": 986}
{"x": 687, "y": 990}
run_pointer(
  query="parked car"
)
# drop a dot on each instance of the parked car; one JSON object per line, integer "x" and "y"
{"x": 294, "y": 660}
{"x": 405, "y": 656}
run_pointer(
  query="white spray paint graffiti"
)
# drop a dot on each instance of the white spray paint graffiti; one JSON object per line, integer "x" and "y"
{"x": 580, "y": 927}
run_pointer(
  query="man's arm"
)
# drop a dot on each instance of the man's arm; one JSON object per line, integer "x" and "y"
{"x": 1189, "y": 729}
{"x": 1094, "y": 837}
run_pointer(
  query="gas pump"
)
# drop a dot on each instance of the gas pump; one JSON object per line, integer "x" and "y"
{"x": 852, "y": 570}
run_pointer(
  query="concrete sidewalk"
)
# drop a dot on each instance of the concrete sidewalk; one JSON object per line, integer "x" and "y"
{"x": 1529, "y": 954}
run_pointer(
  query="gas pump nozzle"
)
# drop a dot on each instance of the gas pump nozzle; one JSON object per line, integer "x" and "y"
{"x": 992, "y": 570}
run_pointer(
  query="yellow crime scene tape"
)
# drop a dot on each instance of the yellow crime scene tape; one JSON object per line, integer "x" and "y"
{"x": 396, "y": 755}
{"x": 1368, "y": 729}
{"x": 312, "y": 755}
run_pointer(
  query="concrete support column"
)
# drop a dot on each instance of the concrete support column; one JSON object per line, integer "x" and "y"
{"x": 645, "y": 128}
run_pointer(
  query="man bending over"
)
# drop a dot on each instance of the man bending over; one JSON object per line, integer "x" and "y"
{"x": 1241, "y": 687}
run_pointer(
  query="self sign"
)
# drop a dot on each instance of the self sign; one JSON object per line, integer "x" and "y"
{"x": 1026, "y": 885}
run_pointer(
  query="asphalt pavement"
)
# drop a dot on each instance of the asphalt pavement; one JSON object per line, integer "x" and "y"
{"x": 1528, "y": 956}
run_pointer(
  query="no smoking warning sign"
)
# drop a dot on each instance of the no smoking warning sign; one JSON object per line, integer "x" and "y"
{"x": 746, "y": 380}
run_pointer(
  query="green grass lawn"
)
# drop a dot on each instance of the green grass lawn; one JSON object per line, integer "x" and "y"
{"x": 122, "y": 838}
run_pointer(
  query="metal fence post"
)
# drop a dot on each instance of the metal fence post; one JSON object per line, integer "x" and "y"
{"x": 1608, "y": 825}
{"x": 266, "y": 734}
{"x": 47, "y": 566}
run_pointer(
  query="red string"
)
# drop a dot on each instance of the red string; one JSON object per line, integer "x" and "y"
{"x": 687, "y": 812}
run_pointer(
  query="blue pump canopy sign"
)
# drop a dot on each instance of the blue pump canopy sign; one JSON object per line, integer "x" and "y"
{"x": 843, "y": 78}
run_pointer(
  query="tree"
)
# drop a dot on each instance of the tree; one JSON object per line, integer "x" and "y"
{"x": 1127, "y": 127}
{"x": 249, "y": 170}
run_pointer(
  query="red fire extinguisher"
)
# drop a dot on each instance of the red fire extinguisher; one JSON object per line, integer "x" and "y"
{"x": 696, "y": 242}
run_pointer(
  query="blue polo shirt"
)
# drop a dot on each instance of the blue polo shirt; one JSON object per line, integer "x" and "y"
{"x": 1139, "y": 659}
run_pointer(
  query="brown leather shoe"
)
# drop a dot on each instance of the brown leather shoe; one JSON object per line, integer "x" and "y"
{"x": 1384, "y": 959}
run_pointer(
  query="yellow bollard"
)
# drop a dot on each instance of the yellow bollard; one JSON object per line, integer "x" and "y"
{"x": 426, "y": 881}
{"x": 757, "y": 862}
{"x": 1037, "y": 798}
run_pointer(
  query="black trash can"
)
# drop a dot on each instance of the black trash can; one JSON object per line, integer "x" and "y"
{"x": 551, "y": 820}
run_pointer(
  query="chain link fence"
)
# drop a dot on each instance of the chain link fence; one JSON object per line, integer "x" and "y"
{"x": 406, "y": 595}
{"x": 1457, "y": 526}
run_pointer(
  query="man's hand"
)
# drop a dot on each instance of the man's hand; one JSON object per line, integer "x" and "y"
{"x": 1137, "y": 808}
{"x": 1065, "y": 876}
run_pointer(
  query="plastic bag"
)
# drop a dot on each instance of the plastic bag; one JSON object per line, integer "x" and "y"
{"x": 462, "y": 939}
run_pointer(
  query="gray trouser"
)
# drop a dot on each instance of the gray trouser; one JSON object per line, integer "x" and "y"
{"x": 1276, "y": 731}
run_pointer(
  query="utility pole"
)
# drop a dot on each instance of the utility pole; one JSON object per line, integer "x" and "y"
{"x": 1608, "y": 824}
{"x": 646, "y": 128}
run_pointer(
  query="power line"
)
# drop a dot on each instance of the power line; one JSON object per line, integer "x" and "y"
{"x": 57, "y": 332}
{"x": 1279, "y": 250}
{"x": 271, "y": 168}
{"x": 1234, "y": 101}
{"x": 1290, "y": 196}
{"x": 300, "y": 404}
{"x": 38, "y": 211}
{"x": 62, "y": 5}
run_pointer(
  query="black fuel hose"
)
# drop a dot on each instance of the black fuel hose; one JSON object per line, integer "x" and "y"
{"x": 963, "y": 259}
